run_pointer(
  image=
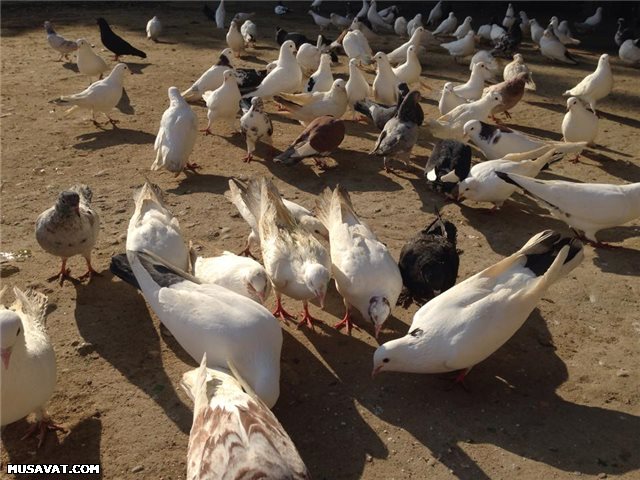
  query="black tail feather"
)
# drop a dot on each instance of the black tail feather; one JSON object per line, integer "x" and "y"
{"x": 120, "y": 268}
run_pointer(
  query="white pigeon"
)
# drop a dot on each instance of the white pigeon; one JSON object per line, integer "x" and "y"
{"x": 629, "y": 52}
{"x": 435, "y": 14}
{"x": 236, "y": 194}
{"x": 154, "y": 228}
{"x": 376, "y": 20}
{"x": 497, "y": 32}
{"x": 249, "y": 32}
{"x": 356, "y": 46}
{"x": 298, "y": 265}
{"x": 536, "y": 31}
{"x": 89, "y": 63}
{"x": 208, "y": 318}
{"x": 211, "y": 79}
{"x": 101, "y": 96}
{"x": 400, "y": 26}
{"x": 409, "y": 72}
{"x": 483, "y": 185}
{"x": 385, "y": 83}
{"x": 220, "y": 14}
{"x": 500, "y": 142}
{"x": 484, "y": 32}
{"x": 579, "y": 124}
{"x": 451, "y": 124}
{"x": 366, "y": 31}
{"x": 233, "y": 426}
{"x": 239, "y": 274}
{"x": 306, "y": 107}
{"x": 60, "y": 44}
{"x": 154, "y": 29}
{"x": 224, "y": 102}
{"x": 561, "y": 34}
{"x": 414, "y": 23}
{"x": 489, "y": 61}
{"x": 357, "y": 86}
{"x": 322, "y": 22}
{"x": 235, "y": 40}
{"x": 509, "y": 17}
{"x": 256, "y": 126}
{"x": 308, "y": 56}
{"x": 467, "y": 323}
{"x": 596, "y": 85}
{"x": 388, "y": 14}
{"x": 463, "y": 28}
{"x": 587, "y": 207}
{"x": 447, "y": 26}
{"x": 525, "y": 26}
{"x": 363, "y": 10}
{"x": 367, "y": 277}
{"x": 590, "y": 23}
{"x": 339, "y": 21}
{"x": 449, "y": 99}
{"x": 28, "y": 362}
{"x": 553, "y": 48}
{"x": 176, "y": 136}
{"x": 400, "y": 54}
{"x": 472, "y": 90}
{"x": 322, "y": 78}
{"x": 461, "y": 48}
{"x": 516, "y": 67}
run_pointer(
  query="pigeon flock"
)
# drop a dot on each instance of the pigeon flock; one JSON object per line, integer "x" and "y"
{"x": 216, "y": 307}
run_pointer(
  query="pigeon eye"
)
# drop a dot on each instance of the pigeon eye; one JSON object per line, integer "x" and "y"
{"x": 386, "y": 360}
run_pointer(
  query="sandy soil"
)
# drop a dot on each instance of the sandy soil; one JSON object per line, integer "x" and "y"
{"x": 559, "y": 400}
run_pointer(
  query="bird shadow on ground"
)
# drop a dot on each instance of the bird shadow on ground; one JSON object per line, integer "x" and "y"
{"x": 254, "y": 59}
{"x": 430, "y": 199}
{"x": 619, "y": 260}
{"x": 199, "y": 183}
{"x": 623, "y": 169}
{"x": 113, "y": 137}
{"x": 344, "y": 434}
{"x": 630, "y": 122}
{"x": 515, "y": 389}
{"x": 71, "y": 66}
{"x": 555, "y": 107}
{"x": 524, "y": 220}
{"x": 166, "y": 42}
{"x": 124, "y": 105}
{"x": 137, "y": 68}
{"x": 128, "y": 317}
{"x": 82, "y": 437}
{"x": 235, "y": 139}
{"x": 539, "y": 132}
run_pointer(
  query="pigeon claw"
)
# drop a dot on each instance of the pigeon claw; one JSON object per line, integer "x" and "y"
{"x": 347, "y": 322}
{"x": 41, "y": 428}
{"x": 281, "y": 312}
{"x": 307, "y": 318}
{"x": 62, "y": 275}
{"x": 90, "y": 273}
{"x": 247, "y": 253}
{"x": 193, "y": 167}
{"x": 207, "y": 131}
{"x": 247, "y": 158}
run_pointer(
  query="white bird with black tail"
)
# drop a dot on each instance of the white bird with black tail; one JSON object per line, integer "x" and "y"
{"x": 466, "y": 324}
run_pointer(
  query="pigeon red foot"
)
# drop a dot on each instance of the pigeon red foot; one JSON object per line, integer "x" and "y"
{"x": 347, "y": 322}
{"x": 41, "y": 428}
{"x": 307, "y": 319}
{"x": 281, "y": 312}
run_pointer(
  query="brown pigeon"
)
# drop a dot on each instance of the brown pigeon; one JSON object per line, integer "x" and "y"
{"x": 511, "y": 91}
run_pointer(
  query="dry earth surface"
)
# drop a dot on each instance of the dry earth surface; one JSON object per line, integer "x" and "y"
{"x": 559, "y": 400}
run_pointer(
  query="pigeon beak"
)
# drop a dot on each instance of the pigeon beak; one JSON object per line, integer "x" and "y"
{"x": 376, "y": 371}
{"x": 377, "y": 329}
{"x": 77, "y": 210}
{"x": 5, "y": 353}
{"x": 320, "y": 298}
{"x": 460, "y": 197}
{"x": 465, "y": 138}
{"x": 261, "y": 296}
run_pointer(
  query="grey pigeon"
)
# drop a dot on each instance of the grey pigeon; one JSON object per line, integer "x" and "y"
{"x": 69, "y": 228}
{"x": 380, "y": 114}
{"x": 59, "y": 43}
{"x": 401, "y": 132}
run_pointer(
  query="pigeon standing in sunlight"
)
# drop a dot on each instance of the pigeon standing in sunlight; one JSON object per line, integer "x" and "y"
{"x": 210, "y": 79}
{"x": 319, "y": 139}
{"x": 518, "y": 66}
{"x": 69, "y": 228}
{"x": 224, "y": 102}
{"x": 579, "y": 124}
{"x": 154, "y": 29}
{"x": 28, "y": 362}
{"x": 366, "y": 274}
{"x": 118, "y": 45}
{"x": 235, "y": 40}
{"x": 594, "y": 86}
{"x": 101, "y": 96}
{"x": 256, "y": 126}
{"x": 464, "y": 325}
{"x": 177, "y": 136}
{"x": 429, "y": 262}
{"x": 60, "y": 44}
{"x": 89, "y": 63}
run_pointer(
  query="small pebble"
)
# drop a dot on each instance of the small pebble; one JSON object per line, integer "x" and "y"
{"x": 137, "y": 468}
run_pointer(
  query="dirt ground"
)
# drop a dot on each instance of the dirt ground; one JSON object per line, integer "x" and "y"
{"x": 559, "y": 400}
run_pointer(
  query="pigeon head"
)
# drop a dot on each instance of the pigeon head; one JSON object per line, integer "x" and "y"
{"x": 495, "y": 98}
{"x": 234, "y": 26}
{"x": 467, "y": 188}
{"x": 230, "y": 76}
{"x": 398, "y": 355}
{"x": 289, "y": 47}
{"x": 68, "y": 202}
{"x": 11, "y": 334}
{"x": 481, "y": 68}
{"x": 471, "y": 129}
{"x": 316, "y": 278}
{"x": 573, "y": 102}
{"x": 604, "y": 59}
{"x": 48, "y": 27}
{"x": 102, "y": 23}
{"x": 257, "y": 283}
{"x": 339, "y": 84}
{"x": 225, "y": 57}
{"x": 378, "y": 311}
{"x": 403, "y": 91}
{"x": 257, "y": 104}
{"x": 380, "y": 57}
{"x": 448, "y": 87}
{"x": 82, "y": 43}
{"x": 174, "y": 95}
{"x": 518, "y": 58}
{"x": 410, "y": 109}
{"x": 314, "y": 226}
{"x": 621, "y": 22}
{"x": 119, "y": 70}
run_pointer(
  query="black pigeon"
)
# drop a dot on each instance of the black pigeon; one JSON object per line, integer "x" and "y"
{"x": 116, "y": 44}
{"x": 448, "y": 164}
{"x": 623, "y": 33}
{"x": 429, "y": 262}
{"x": 508, "y": 43}
{"x": 248, "y": 78}
{"x": 380, "y": 114}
